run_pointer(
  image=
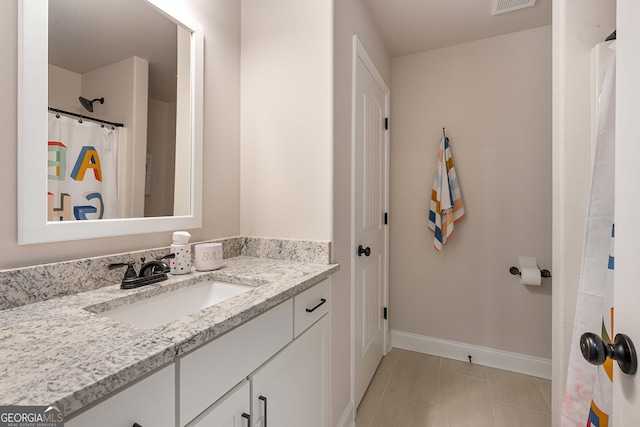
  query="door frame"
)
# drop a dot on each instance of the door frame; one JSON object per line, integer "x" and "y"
{"x": 626, "y": 406}
{"x": 574, "y": 34}
{"x": 359, "y": 52}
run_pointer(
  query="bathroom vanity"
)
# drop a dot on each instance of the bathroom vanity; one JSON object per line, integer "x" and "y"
{"x": 260, "y": 356}
{"x": 211, "y": 385}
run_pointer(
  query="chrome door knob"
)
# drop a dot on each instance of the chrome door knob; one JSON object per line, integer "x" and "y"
{"x": 596, "y": 351}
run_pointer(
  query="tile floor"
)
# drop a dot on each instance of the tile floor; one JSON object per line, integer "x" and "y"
{"x": 413, "y": 389}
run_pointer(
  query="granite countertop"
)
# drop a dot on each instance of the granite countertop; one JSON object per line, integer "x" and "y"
{"x": 58, "y": 352}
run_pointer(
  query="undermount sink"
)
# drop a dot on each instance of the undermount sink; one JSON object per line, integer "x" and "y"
{"x": 165, "y": 308}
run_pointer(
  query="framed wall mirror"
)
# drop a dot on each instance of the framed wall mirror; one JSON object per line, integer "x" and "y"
{"x": 109, "y": 119}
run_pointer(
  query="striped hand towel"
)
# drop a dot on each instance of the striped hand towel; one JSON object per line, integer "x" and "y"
{"x": 446, "y": 206}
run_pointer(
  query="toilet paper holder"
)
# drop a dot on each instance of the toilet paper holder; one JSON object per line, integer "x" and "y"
{"x": 543, "y": 273}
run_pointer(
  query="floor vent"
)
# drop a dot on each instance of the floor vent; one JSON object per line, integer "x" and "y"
{"x": 502, "y": 6}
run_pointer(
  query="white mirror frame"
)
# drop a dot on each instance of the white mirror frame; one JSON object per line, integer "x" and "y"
{"x": 33, "y": 226}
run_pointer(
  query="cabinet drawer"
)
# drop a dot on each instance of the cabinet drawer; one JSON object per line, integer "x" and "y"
{"x": 309, "y": 306}
{"x": 149, "y": 402}
{"x": 208, "y": 372}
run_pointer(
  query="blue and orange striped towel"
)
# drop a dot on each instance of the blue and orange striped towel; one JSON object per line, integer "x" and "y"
{"x": 446, "y": 206}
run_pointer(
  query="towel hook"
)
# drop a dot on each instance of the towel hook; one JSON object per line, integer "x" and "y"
{"x": 443, "y": 133}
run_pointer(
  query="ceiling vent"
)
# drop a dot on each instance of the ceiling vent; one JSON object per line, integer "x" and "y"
{"x": 502, "y": 6}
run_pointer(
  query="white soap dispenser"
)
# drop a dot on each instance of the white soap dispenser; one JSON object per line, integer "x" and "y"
{"x": 181, "y": 263}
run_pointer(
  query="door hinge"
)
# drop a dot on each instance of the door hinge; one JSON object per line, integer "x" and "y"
{"x": 385, "y": 313}
{"x": 386, "y": 123}
{"x": 386, "y": 218}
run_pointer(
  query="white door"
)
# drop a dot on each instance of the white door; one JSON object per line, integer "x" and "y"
{"x": 626, "y": 389}
{"x": 370, "y": 155}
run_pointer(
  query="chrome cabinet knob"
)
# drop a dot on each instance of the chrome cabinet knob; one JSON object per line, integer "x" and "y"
{"x": 596, "y": 351}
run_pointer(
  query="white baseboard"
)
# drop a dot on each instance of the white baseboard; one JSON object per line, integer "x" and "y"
{"x": 347, "y": 419}
{"x": 515, "y": 362}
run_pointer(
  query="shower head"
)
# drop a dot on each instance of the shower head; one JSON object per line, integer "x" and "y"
{"x": 88, "y": 105}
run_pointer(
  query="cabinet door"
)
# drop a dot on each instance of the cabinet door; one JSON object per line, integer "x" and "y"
{"x": 292, "y": 389}
{"x": 230, "y": 411}
{"x": 209, "y": 372}
{"x": 150, "y": 402}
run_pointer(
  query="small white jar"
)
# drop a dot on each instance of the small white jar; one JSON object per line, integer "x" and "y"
{"x": 208, "y": 256}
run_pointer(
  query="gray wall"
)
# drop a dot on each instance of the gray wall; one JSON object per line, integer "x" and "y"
{"x": 494, "y": 98}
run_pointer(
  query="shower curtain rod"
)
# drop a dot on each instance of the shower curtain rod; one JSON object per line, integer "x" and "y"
{"x": 57, "y": 110}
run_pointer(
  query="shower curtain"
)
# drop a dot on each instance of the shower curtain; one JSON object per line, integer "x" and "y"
{"x": 588, "y": 393}
{"x": 82, "y": 181}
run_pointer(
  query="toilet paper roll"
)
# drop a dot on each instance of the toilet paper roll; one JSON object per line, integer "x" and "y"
{"x": 529, "y": 271}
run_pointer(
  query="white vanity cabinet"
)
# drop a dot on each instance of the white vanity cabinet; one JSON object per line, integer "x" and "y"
{"x": 209, "y": 372}
{"x": 150, "y": 402}
{"x": 285, "y": 355}
{"x": 292, "y": 389}
{"x": 270, "y": 371}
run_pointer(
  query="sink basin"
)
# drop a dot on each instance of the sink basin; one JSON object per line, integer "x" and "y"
{"x": 165, "y": 308}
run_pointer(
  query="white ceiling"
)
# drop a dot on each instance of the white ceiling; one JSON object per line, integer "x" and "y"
{"x": 413, "y": 26}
